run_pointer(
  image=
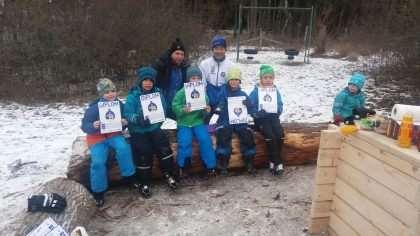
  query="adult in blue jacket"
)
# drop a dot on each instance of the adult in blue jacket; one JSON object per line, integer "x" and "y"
{"x": 171, "y": 70}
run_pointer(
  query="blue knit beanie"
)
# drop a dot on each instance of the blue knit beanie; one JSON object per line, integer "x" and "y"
{"x": 357, "y": 79}
{"x": 193, "y": 71}
{"x": 218, "y": 41}
{"x": 146, "y": 73}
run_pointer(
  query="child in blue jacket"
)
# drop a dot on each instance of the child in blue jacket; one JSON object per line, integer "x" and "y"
{"x": 351, "y": 100}
{"x": 99, "y": 144}
{"x": 225, "y": 129}
{"x": 268, "y": 123}
{"x": 147, "y": 139}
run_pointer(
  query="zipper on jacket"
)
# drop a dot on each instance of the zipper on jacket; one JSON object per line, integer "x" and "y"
{"x": 217, "y": 75}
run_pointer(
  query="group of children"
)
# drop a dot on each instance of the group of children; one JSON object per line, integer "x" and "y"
{"x": 148, "y": 140}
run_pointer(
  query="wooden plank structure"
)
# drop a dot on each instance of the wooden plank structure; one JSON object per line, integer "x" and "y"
{"x": 300, "y": 147}
{"x": 365, "y": 185}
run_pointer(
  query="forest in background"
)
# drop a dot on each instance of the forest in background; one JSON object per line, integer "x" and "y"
{"x": 55, "y": 49}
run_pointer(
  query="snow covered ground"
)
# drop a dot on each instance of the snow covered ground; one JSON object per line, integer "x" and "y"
{"x": 36, "y": 140}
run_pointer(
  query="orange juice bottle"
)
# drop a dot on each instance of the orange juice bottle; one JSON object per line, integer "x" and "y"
{"x": 406, "y": 131}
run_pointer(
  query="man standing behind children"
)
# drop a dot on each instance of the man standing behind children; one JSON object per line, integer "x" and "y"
{"x": 215, "y": 69}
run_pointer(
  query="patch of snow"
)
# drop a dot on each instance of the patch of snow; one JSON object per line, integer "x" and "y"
{"x": 36, "y": 141}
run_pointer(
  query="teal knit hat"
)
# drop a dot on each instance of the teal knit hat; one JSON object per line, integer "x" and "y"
{"x": 265, "y": 70}
{"x": 193, "y": 71}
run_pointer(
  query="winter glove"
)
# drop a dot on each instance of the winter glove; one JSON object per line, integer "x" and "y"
{"x": 52, "y": 203}
{"x": 143, "y": 122}
{"x": 338, "y": 119}
{"x": 217, "y": 111}
{"x": 349, "y": 120}
{"x": 246, "y": 103}
{"x": 363, "y": 112}
{"x": 261, "y": 113}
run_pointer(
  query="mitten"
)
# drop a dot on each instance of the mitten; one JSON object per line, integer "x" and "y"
{"x": 51, "y": 202}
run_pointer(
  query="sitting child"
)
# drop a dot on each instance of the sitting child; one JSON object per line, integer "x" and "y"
{"x": 227, "y": 123}
{"x": 191, "y": 123}
{"x": 351, "y": 101}
{"x": 267, "y": 118}
{"x": 148, "y": 139}
{"x": 99, "y": 144}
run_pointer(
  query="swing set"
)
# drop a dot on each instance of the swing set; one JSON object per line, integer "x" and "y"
{"x": 290, "y": 52}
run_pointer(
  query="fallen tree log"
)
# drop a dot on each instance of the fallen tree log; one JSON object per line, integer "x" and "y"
{"x": 300, "y": 147}
{"x": 80, "y": 208}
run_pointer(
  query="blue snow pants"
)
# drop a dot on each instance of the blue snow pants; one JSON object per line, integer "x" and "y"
{"x": 185, "y": 137}
{"x": 99, "y": 157}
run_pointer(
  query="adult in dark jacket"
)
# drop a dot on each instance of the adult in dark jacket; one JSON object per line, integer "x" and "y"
{"x": 171, "y": 70}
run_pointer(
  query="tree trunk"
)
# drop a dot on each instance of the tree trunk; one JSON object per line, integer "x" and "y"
{"x": 80, "y": 208}
{"x": 300, "y": 147}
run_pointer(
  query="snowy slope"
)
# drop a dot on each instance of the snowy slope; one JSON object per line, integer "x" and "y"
{"x": 36, "y": 140}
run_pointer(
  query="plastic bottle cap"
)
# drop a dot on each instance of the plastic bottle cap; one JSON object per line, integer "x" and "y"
{"x": 408, "y": 117}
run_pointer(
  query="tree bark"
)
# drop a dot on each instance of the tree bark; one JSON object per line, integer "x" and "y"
{"x": 80, "y": 208}
{"x": 300, "y": 147}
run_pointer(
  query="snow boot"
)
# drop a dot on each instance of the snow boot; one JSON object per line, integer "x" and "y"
{"x": 211, "y": 173}
{"x": 223, "y": 163}
{"x": 145, "y": 191}
{"x": 271, "y": 167}
{"x": 249, "y": 165}
{"x": 99, "y": 199}
{"x": 278, "y": 171}
{"x": 170, "y": 181}
{"x": 185, "y": 172}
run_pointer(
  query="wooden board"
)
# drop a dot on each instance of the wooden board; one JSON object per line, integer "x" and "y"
{"x": 394, "y": 179}
{"x": 340, "y": 227}
{"x": 358, "y": 223}
{"x": 382, "y": 196}
{"x": 369, "y": 210}
{"x": 406, "y": 165}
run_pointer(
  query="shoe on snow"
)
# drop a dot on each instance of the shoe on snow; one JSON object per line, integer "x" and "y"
{"x": 145, "y": 191}
{"x": 99, "y": 199}
{"x": 171, "y": 182}
{"x": 224, "y": 172}
{"x": 211, "y": 173}
{"x": 278, "y": 170}
{"x": 251, "y": 170}
{"x": 271, "y": 167}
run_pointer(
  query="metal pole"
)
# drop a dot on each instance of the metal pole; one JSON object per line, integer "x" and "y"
{"x": 278, "y": 8}
{"x": 238, "y": 32}
{"x": 310, "y": 31}
{"x": 305, "y": 43}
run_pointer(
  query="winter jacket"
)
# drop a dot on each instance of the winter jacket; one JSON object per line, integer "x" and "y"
{"x": 226, "y": 92}
{"x": 183, "y": 118}
{"x": 91, "y": 115}
{"x": 254, "y": 99}
{"x": 164, "y": 68}
{"x": 134, "y": 112}
{"x": 345, "y": 101}
{"x": 215, "y": 74}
